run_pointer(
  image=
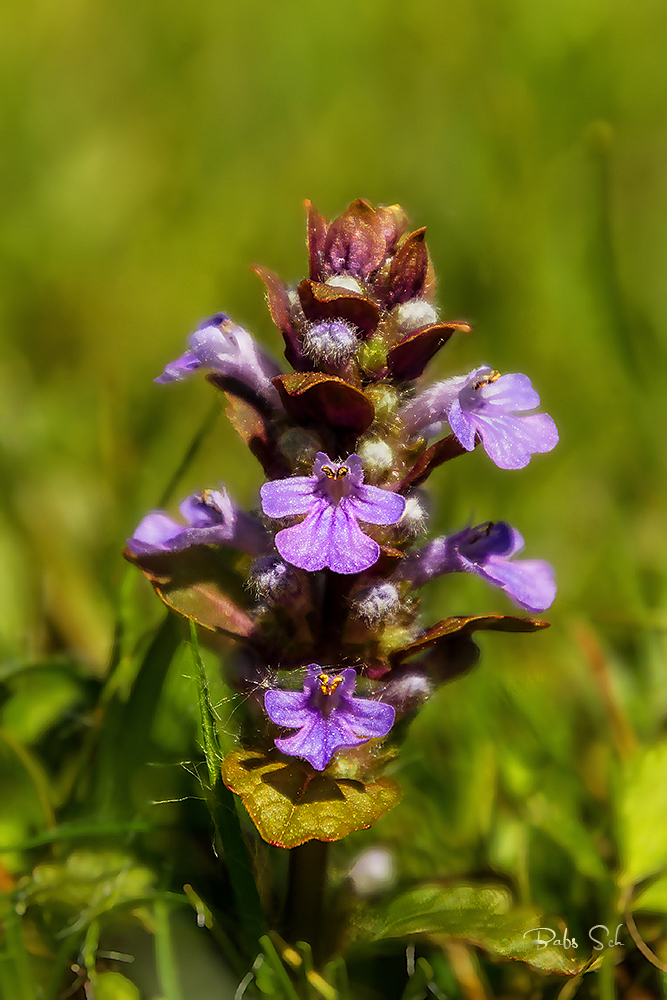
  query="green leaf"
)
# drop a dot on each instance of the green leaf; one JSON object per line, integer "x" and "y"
{"x": 482, "y": 915}
{"x": 643, "y": 815}
{"x": 290, "y": 803}
{"x": 223, "y": 812}
{"x": 40, "y": 697}
{"x": 126, "y": 729}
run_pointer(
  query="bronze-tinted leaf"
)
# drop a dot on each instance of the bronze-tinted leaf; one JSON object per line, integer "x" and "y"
{"x": 409, "y": 269}
{"x": 290, "y": 803}
{"x": 259, "y": 435}
{"x": 449, "y": 627}
{"x": 325, "y": 399}
{"x": 321, "y": 301}
{"x": 196, "y": 583}
{"x": 355, "y": 242}
{"x": 279, "y": 307}
{"x": 393, "y": 220}
{"x": 408, "y": 359}
{"x": 316, "y": 234}
{"x": 442, "y": 451}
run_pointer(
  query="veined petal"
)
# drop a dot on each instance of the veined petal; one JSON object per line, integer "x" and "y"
{"x": 529, "y": 582}
{"x": 376, "y": 506}
{"x": 510, "y": 440}
{"x": 513, "y": 391}
{"x": 368, "y": 718}
{"x": 462, "y": 425}
{"x": 283, "y": 497}
{"x": 287, "y": 708}
{"x": 349, "y": 550}
{"x": 328, "y": 537}
{"x": 309, "y": 743}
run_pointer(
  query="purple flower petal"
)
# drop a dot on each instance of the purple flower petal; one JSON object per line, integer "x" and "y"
{"x": 529, "y": 582}
{"x": 284, "y": 497}
{"x": 376, "y": 506}
{"x": 287, "y": 708}
{"x": 333, "y": 498}
{"x": 510, "y": 440}
{"x": 154, "y": 533}
{"x": 179, "y": 369}
{"x": 486, "y": 550}
{"x": 327, "y": 715}
{"x": 226, "y": 348}
{"x": 211, "y": 519}
{"x": 328, "y": 537}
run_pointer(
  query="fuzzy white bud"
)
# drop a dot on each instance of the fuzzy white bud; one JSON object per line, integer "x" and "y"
{"x": 414, "y": 314}
{"x": 331, "y": 341}
{"x": 415, "y": 516}
{"x": 376, "y": 456}
{"x": 273, "y": 581}
{"x": 378, "y": 601}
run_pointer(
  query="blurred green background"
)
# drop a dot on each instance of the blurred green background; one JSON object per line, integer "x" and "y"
{"x": 153, "y": 151}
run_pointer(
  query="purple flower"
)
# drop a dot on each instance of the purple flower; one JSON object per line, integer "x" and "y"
{"x": 211, "y": 519}
{"x": 492, "y": 406}
{"x": 327, "y": 715}
{"x": 219, "y": 344}
{"x": 334, "y": 499}
{"x": 487, "y": 551}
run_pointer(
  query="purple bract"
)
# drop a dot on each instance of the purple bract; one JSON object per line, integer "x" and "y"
{"x": 222, "y": 346}
{"x": 492, "y": 406}
{"x": 487, "y": 551}
{"x": 334, "y": 498}
{"x": 211, "y": 518}
{"x": 327, "y": 715}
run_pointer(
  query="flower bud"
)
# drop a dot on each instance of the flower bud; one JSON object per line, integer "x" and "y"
{"x": 415, "y": 516}
{"x": 331, "y": 341}
{"x": 376, "y": 602}
{"x": 377, "y": 457}
{"x": 414, "y": 314}
{"x": 408, "y": 691}
{"x": 274, "y": 581}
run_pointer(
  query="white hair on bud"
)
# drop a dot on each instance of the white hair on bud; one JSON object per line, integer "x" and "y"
{"x": 273, "y": 580}
{"x": 377, "y": 602}
{"x": 376, "y": 455}
{"x": 408, "y": 691}
{"x": 411, "y": 315}
{"x": 345, "y": 281}
{"x": 415, "y": 516}
{"x": 331, "y": 341}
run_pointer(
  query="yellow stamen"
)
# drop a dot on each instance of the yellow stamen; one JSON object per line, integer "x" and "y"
{"x": 328, "y": 684}
{"x": 486, "y": 380}
{"x": 335, "y": 473}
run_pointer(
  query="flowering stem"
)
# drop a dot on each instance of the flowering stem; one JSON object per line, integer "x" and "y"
{"x": 305, "y": 894}
{"x": 333, "y": 614}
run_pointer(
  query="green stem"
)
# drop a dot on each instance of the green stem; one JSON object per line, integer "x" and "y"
{"x": 305, "y": 895}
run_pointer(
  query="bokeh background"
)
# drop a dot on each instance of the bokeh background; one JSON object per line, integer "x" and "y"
{"x": 151, "y": 152}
